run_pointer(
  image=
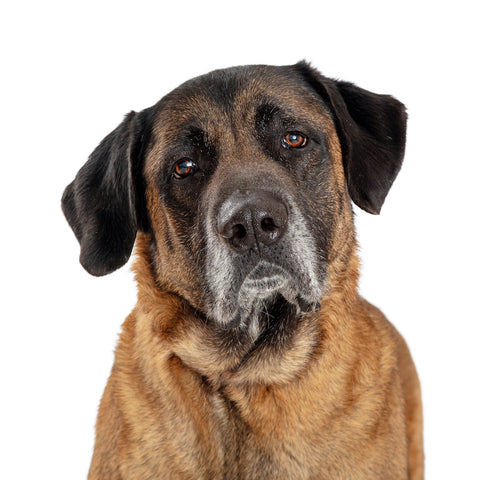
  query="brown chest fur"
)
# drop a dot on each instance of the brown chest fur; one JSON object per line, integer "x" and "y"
{"x": 343, "y": 416}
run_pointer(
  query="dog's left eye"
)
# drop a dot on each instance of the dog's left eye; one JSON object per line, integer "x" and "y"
{"x": 294, "y": 140}
{"x": 183, "y": 168}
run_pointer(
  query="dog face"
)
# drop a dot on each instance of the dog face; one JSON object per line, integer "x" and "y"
{"x": 242, "y": 179}
{"x": 234, "y": 167}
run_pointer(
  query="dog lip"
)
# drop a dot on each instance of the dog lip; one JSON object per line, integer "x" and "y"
{"x": 265, "y": 269}
{"x": 265, "y": 284}
{"x": 265, "y": 277}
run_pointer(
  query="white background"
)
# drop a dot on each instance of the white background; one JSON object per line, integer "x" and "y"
{"x": 71, "y": 70}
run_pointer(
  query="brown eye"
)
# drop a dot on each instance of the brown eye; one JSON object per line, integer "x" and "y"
{"x": 294, "y": 140}
{"x": 183, "y": 168}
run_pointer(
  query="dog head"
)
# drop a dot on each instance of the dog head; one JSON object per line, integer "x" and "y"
{"x": 242, "y": 178}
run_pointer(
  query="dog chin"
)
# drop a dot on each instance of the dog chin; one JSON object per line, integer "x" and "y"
{"x": 262, "y": 290}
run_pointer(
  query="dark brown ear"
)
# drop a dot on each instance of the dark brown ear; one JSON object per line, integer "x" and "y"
{"x": 105, "y": 203}
{"x": 372, "y": 133}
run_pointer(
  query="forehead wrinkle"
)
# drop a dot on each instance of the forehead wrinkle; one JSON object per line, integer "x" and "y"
{"x": 185, "y": 114}
{"x": 293, "y": 97}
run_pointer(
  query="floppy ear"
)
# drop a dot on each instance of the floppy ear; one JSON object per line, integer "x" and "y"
{"x": 372, "y": 133}
{"x": 105, "y": 203}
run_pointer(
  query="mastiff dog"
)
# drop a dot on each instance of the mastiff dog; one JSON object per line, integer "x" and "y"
{"x": 250, "y": 353}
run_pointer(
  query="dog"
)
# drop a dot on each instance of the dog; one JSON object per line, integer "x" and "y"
{"x": 249, "y": 354}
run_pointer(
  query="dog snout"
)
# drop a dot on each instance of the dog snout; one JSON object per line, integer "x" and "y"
{"x": 252, "y": 219}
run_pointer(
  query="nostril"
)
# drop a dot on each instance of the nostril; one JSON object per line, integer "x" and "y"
{"x": 268, "y": 225}
{"x": 238, "y": 232}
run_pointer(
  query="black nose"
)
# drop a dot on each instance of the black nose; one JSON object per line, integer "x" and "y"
{"x": 248, "y": 220}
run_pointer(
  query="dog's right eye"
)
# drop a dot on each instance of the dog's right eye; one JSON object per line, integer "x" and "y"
{"x": 294, "y": 140}
{"x": 184, "y": 168}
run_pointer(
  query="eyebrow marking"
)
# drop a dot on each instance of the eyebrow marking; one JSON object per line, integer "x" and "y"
{"x": 265, "y": 112}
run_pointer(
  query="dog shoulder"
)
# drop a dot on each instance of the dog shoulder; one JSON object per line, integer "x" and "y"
{"x": 403, "y": 370}
{"x": 382, "y": 339}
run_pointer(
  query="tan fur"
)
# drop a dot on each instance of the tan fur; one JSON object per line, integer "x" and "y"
{"x": 361, "y": 393}
{"x": 342, "y": 402}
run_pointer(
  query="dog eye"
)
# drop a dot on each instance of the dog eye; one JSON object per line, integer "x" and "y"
{"x": 183, "y": 168}
{"x": 294, "y": 140}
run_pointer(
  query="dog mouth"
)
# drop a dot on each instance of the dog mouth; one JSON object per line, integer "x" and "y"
{"x": 265, "y": 286}
{"x": 264, "y": 280}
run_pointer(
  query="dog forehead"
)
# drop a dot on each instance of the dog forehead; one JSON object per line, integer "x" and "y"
{"x": 228, "y": 86}
{"x": 234, "y": 95}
